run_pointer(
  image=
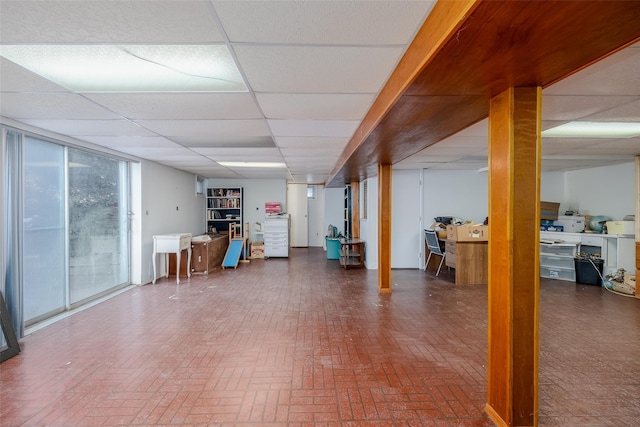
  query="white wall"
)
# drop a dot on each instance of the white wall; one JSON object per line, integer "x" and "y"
{"x": 552, "y": 189}
{"x": 369, "y": 226}
{"x": 462, "y": 194}
{"x": 255, "y": 193}
{"x": 168, "y": 204}
{"x": 608, "y": 190}
{"x": 406, "y": 226}
{"x": 334, "y": 209}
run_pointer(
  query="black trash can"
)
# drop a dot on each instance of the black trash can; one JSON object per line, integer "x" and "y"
{"x": 588, "y": 271}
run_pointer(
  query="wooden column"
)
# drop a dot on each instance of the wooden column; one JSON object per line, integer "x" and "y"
{"x": 514, "y": 219}
{"x": 637, "y": 228}
{"x": 384, "y": 228}
{"x": 355, "y": 209}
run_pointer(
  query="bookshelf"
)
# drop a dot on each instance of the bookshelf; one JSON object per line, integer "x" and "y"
{"x": 224, "y": 207}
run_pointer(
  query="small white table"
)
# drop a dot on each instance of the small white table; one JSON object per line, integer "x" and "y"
{"x": 175, "y": 244}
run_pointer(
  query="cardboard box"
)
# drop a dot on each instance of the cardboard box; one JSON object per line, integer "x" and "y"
{"x": 472, "y": 233}
{"x": 452, "y": 232}
{"x": 257, "y": 250}
{"x": 621, "y": 227}
{"x": 549, "y": 210}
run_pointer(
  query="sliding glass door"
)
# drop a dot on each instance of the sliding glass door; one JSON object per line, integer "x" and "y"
{"x": 98, "y": 230}
{"x": 76, "y": 234}
{"x": 44, "y": 261}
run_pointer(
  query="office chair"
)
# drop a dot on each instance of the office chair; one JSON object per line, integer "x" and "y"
{"x": 431, "y": 237}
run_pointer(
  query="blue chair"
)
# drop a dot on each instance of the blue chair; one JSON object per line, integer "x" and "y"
{"x": 433, "y": 243}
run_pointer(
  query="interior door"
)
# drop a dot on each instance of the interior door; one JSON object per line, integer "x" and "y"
{"x": 298, "y": 210}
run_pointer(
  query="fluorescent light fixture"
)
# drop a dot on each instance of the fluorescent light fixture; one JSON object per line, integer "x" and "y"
{"x": 484, "y": 169}
{"x": 252, "y": 164}
{"x": 594, "y": 130}
{"x": 131, "y": 68}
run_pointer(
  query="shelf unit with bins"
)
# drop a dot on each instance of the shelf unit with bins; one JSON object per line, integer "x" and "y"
{"x": 224, "y": 207}
{"x": 557, "y": 261}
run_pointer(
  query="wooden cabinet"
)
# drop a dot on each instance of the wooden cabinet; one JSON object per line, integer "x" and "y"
{"x": 206, "y": 255}
{"x": 224, "y": 207}
{"x": 470, "y": 260}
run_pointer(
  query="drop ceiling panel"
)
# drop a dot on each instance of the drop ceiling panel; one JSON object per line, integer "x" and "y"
{"x": 214, "y": 173}
{"x": 206, "y": 140}
{"x": 51, "y": 106}
{"x": 565, "y": 107}
{"x": 315, "y": 69}
{"x": 90, "y": 127}
{"x": 624, "y": 113}
{"x": 310, "y": 179}
{"x": 318, "y": 128}
{"x": 237, "y": 152}
{"x": 17, "y": 79}
{"x": 262, "y": 174}
{"x": 246, "y": 158}
{"x": 315, "y": 153}
{"x": 107, "y": 21}
{"x": 162, "y": 153}
{"x": 315, "y": 106}
{"x": 321, "y": 22}
{"x": 194, "y": 106}
{"x": 209, "y": 128}
{"x": 311, "y": 142}
{"x": 131, "y": 141}
{"x": 617, "y": 74}
{"x": 630, "y": 146}
{"x": 460, "y": 166}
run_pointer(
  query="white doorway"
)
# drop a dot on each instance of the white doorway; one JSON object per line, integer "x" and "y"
{"x": 315, "y": 203}
{"x": 297, "y": 208}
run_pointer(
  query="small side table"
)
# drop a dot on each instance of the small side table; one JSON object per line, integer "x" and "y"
{"x": 351, "y": 253}
{"x": 172, "y": 243}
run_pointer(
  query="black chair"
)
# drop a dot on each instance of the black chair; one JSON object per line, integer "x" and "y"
{"x": 433, "y": 243}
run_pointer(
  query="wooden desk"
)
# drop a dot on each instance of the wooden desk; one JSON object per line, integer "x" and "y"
{"x": 470, "y": 259}
{"x": 171, "y": 243}
{"x": 351, "y": 253}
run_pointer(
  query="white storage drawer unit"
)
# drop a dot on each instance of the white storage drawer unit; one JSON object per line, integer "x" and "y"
{"x": 276, "y": 236}
{"x": 557, "y": 261}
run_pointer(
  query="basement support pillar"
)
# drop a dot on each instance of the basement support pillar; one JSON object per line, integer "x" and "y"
{"x": 384, "y": 229}
{"x": 514, "y": 219}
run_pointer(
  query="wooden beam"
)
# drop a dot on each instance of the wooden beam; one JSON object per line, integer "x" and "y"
{"x": 514, "y": 218}
{"x": 384, "y": 228}
{"x": 468, "y": 51}
{"x": 355, "y": 209}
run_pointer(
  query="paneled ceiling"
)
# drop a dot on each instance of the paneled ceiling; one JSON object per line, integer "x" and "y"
{"x": 310, "y": 72}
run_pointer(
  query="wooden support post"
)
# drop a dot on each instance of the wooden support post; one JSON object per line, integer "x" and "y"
{"x": 637, "y": 228}
{"x": 384, "y": 229}
{"x": 355, "y": 209}
{"x": 514, "y": 219}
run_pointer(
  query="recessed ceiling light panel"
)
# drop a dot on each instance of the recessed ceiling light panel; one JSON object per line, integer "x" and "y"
{"x": 594, "y": 130}
{"x": 131, "y": 68}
